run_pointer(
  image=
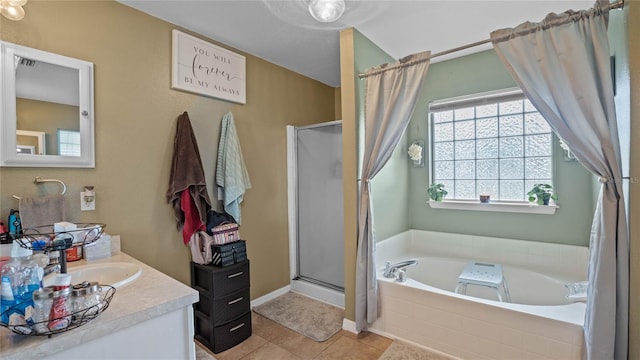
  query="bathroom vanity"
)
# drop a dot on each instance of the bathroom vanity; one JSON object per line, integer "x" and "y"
{"x": 149, "y": 318}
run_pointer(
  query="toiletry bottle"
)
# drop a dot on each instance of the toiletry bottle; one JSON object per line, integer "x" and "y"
{"x": 15, "y": 282}
{"x": 15, "y": 224}
{"x": 33, "y": 272}
{"x": 60, "y": 315}
{"x": 10, "y": 272}
{"x": 5, "y": 238}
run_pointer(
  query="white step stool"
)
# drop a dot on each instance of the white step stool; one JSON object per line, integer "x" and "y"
{"x": 483, "y": 274}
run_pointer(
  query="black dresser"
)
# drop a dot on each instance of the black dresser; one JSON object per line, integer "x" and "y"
{"x": 223, "y": 314}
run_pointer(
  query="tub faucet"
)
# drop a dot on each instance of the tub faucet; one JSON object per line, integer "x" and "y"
{"x": 390, "y": 270}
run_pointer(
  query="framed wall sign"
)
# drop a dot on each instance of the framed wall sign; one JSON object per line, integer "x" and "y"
{"x": 207, "y": 69}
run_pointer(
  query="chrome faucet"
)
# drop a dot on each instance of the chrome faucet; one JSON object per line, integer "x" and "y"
{"x": 391, "y": 271}
{"x": 54, "y": 264}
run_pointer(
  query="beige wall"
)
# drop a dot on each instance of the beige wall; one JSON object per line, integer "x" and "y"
{"x": 338, "y": 103}
{"x": 349, "y": 166}
{"x": 136, "y": 112}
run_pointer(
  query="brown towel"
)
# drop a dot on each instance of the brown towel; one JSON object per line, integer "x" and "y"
{"x": 40, "y": 211}
{"x": 187, "y": 173}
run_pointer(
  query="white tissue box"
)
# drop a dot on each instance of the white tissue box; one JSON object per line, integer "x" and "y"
{"x": 66, "y": 227}
{"x": 98, "y": 249}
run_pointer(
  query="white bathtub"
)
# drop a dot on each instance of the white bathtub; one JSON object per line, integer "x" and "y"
{"x": 539, "y": 323}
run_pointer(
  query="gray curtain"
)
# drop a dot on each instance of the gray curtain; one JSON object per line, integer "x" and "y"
{"x": 390, "y": 98}
{"x": 562, "y": 64}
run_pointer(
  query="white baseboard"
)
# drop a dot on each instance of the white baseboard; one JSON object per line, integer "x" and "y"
{"x": 270, "y": 296}
{"x": 321, "y": 293}
{"x": 348, "y": 325}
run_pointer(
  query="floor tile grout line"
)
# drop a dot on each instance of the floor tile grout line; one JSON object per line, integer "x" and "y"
{"x": 369, "y": 340}
{"x": 327, "y": 347}
{"x": 245, "y": 356}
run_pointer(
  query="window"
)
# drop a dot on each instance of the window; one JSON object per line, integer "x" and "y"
{"x": 494, "y": 143}
{"x": 68, "y": 142}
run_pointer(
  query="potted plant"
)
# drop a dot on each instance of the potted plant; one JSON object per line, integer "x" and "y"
{"x": 541, "y": 193}
{"x": 437, "y": 192}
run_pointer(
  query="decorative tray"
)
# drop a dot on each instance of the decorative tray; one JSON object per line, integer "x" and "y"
{"x": 21, "y": 317}
{"x": 44, "y": 238}
{"x": 69, "y": 321}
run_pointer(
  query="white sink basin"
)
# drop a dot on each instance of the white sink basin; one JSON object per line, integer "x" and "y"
{"x": 115, "y": 274}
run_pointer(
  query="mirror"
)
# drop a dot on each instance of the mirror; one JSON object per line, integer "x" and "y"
{"x": 47, "y": 109}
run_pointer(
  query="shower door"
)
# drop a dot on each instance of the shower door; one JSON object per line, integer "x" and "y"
{"x": 320, "y": 245}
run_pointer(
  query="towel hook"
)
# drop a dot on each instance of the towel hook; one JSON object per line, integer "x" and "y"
{"x": 39, "y": 180}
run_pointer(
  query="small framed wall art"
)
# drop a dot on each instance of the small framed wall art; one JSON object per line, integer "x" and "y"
{"x": 206, "y": 69}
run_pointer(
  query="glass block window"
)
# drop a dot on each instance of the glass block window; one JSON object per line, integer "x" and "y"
{"x": 494, "y": 143}
{"x": 68, "y": 142}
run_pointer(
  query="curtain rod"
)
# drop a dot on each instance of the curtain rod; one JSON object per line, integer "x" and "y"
{"x": 615, "y": 5}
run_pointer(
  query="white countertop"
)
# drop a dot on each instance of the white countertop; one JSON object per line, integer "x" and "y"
{"x": 151, "y": 295}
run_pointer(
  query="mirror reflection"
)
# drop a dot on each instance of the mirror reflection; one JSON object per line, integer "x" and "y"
{"x": 47, "y": 105}
{"x": 30, "y": 142}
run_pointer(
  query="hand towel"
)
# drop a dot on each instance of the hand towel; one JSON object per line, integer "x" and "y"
{"x": 187, "y": 175}
{"x": 231, "y": 174}
{"x": 41, "y": 211}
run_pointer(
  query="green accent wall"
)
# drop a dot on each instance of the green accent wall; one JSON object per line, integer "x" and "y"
{"x": 399, "y": 191}
{"x": 571, "y": 223}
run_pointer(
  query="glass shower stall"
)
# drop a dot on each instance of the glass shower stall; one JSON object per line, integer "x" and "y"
{"x": 316, "y": 211}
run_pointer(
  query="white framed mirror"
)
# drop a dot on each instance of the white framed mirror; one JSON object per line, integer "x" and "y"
{"x": 46, "y": 116}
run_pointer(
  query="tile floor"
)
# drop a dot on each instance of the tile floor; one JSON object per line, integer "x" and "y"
{"x": 271, "y": 340}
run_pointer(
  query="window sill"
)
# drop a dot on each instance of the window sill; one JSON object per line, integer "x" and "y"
{"x": 509, "y": 207}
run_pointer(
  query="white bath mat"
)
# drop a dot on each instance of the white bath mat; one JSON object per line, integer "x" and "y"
{"x": 311, "y": 318}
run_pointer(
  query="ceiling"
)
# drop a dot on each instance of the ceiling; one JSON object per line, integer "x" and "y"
{"x": 284, "y": 33}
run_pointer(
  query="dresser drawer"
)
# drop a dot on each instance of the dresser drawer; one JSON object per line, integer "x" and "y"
{"x": 231, "y": 307}
{"x": 215, "y": 282}
{"x": 231, "y": 334}
{"x": 230, "y": 279}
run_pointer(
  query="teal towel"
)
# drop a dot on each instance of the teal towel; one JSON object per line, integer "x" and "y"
{"x": 231, "y": 174}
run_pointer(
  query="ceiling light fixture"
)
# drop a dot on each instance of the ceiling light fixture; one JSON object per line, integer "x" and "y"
{"x": 12, "y": 9}
{"x": 326, "y": 11}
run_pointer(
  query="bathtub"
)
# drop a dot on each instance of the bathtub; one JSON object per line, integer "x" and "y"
{"x": 540, "y": 322}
